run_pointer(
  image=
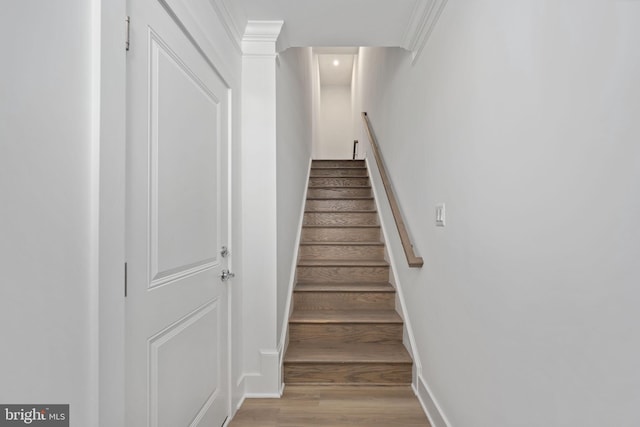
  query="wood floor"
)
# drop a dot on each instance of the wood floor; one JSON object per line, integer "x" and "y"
{"x": 335, "y": 406}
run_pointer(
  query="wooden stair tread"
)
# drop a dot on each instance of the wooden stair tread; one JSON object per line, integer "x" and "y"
{"x": 334, "y": 167}
{"x": 326, "y": 211}
{"x": 341, "y": 226}
{"x": 338, "y": 187}
{"x": 337, "y": 175}
{"x": 345, "y": 316}
{"x": 343, "y": 166}
{"x": 342, "y": 263}
{"x": 343, "y": 287}
{"x": 342, "y": 199}
{"x": 371, "y": 243}
{"x": 347, "y": 353}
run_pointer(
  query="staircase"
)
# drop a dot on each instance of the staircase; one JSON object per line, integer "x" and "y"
{"x": 344, "y": 328}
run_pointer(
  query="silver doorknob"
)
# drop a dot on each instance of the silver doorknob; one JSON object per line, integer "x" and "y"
{"x": 226, "y": 275}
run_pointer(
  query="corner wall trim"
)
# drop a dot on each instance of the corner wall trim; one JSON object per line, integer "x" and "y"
{"x": 423, "y": 20}
{"x": 222, "y": 10}
{"x": 434, "y": 412}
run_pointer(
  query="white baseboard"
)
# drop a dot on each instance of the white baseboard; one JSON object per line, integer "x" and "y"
{"x": 392, "y": 239}
{"x": 237, "y": 407}
{"x": 434, "y": 412}
{"x": 282, "y": 344}
{"x": 265, "y": 383}
{"x": 237, "y": 396}
{"x": 262, "y": 396}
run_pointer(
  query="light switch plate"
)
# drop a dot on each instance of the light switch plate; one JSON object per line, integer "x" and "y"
{"x": 440, "y": 215}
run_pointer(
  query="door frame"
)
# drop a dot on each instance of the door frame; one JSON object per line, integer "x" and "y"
{"x": 108, "y": 143}
{"x": 107, "y": 204}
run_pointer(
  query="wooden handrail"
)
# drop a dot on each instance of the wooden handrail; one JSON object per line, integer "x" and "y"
{"x": 412, "y": 258}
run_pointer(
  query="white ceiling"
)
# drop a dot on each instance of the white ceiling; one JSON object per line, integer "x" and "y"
{"x": 331, "y": 22}
{"x": 335, "y": 75}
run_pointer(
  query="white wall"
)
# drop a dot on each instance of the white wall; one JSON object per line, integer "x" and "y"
{"x": 46, "y": 217}
{"x": 293, "y": 152}
{"x": 316, "y": 120}
{"x": 523, "y": 119}
{"x": 336, "y": 124}
{"x": 356, "y": 109}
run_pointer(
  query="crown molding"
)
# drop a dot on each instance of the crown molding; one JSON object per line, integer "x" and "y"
{"x": 262, "y": 31}
{"x": 423, "y": 19}
{"x": 228, "y": 23}
{"x": 260, "y": 38}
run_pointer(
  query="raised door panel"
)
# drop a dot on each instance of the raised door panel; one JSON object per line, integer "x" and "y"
{"x": 185, "y": 163}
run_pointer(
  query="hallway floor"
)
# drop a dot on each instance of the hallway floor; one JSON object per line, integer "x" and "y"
{"x": 335, "y": 406}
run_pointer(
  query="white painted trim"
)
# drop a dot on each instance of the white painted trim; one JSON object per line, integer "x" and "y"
{"x": 240, "y": 402}
{"x": 197, "y": 32}
{"x": 282, "y": 344}
{"x": 231, "y": 248}
{"x": 378, "y": 196}
{"x": 259, "y": 141}
{"x": 263, "y": 396}
{"x": 221, "y": 9}
{"x": 265, "y": 383}
{"x": 235, "y": 410}
{"x": 410, "y": 33}
{"x": 423, "y": 20}
{"x": 430, "y": 404}
{"x": 262, "y": 31}
{"x": 94, "y": 260}
{"x": 108, "y": 142}
{"x": 260, "y": 37}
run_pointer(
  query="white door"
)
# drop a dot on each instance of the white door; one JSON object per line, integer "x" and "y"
{"x": 177, "y": 188}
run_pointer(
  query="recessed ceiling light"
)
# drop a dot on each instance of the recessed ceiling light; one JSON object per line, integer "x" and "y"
{"x": 336, "y": 62}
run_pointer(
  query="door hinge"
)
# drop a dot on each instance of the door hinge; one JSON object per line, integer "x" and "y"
{"x": 125, "y": 279}
{"x": 127, "y": 42}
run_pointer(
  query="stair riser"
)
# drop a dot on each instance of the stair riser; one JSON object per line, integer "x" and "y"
{"x": 338, "y": 164}
{"x": 341, "y": 218}
{"x": 343, "y": 274}
{"x": 340, "y": 205}
{"x": 342, "y": 252}
{"x": 344, "y": 301}
{"x": 327, "y": 334}
{"x": 338, "y": 182}
{"x": 340, "y": 234}
{"x": 338, "y": 172}
{"x": 339, "y": 193}
{"x": 347, "y": 373}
